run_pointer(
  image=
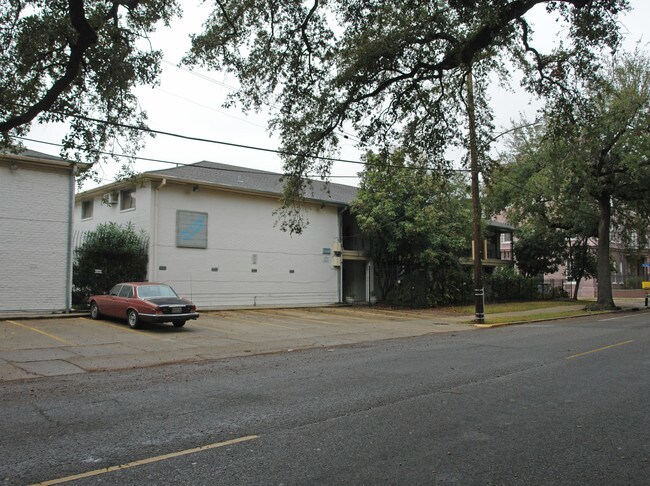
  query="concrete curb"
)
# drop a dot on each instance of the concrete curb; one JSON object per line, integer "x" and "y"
{"x": 515, "y": 323}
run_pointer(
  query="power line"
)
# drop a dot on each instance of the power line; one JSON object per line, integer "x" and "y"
{"x": 181, "y": 164}
{"x": 207, "y": 140}
{"x": 365, "y": 164}
{"x": 233, "y": 88}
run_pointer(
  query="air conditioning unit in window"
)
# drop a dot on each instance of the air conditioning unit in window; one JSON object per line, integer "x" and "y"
{"x": 110, "y": 198}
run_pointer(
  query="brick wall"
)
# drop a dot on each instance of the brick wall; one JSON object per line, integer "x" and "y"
{"x": 34, "y": 237}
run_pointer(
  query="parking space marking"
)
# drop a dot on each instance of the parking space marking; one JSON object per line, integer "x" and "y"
{"x": 343, "y": 313}
{"x": 303, "y": 319}
{"x": 121, "y": 328}
{"x": 212, "y": 328}
{"x": 269, "y": 315}
{"x": 251, "y": 321}
{"x": 379, "y": 314}
{"x": 51, "y": 336}
{"x": 149, "y": 460}
{"x": 599, "y": 349}
{"x": 264, "y": 323}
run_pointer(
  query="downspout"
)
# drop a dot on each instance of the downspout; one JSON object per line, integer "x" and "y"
{"x": 153, "y": 241}
{"x": 68, "y": 269}
{"x": 340, "y": 279}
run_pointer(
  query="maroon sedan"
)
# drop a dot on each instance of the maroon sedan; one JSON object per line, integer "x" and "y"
{"x": 143, "y": 302}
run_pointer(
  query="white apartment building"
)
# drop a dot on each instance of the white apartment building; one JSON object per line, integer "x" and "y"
{"x": 213, "y": 236}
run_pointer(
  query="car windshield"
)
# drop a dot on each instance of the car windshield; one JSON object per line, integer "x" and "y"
{"x": 152, "y": 291}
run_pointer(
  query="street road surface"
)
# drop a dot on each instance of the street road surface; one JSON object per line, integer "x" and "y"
{"x": 554, "y": 403}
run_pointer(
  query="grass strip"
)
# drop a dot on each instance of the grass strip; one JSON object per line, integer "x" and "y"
{"x": 538, "y": 317}
{"x": 511, "y": 306}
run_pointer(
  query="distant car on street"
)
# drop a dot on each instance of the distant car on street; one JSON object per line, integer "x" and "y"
{"x": 143, "y": 302}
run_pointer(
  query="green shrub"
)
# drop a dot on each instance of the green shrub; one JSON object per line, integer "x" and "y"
{"x": 632, "y": 282}
{"x": 108, "y": 255}
{"x": 505, "y": 284}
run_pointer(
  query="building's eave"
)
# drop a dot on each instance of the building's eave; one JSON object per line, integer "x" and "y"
{"x": 43, "y": 161}
{"x": 115, "y": 186}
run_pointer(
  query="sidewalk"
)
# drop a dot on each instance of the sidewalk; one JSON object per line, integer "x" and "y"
{"x": 33, "y": 346}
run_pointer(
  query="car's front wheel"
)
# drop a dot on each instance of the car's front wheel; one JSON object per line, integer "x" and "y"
{"x": 94, "y": 310}
{"x": 132, "y": 318}
{"x": 178, "y": 323}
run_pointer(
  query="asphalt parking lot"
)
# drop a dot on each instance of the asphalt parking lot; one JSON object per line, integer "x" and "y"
{"x": 32, "y": 348}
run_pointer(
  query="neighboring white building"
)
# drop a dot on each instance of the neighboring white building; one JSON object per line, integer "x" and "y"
{"x": 37, "y": 197}
{"x": 212, "y": 235}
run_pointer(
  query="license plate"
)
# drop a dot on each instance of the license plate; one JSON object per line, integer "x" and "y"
{"x": 177, "y": 310}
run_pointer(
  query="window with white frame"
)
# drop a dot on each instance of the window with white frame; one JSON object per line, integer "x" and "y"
{"x": 506, "y": 238}
{"x": 87, "y": 209}
{"x": 127, "y": 199}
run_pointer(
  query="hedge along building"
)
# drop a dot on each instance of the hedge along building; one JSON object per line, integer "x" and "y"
{"x": 36, "y": 224}
{"x": 213, "y": 236}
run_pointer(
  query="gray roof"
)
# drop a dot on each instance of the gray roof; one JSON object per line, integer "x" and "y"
{"x": 33, "y": 154}
{"x": 254, "y": 180}
{"x": 41, "y": 155}
{"x": 34, "y": 157}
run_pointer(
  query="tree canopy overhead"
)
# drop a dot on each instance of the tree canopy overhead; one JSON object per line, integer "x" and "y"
{"x": 74, "y": 60}
{"x": 392, "y": 71}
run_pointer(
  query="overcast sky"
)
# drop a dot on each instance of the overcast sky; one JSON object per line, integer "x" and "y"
{"x": 189, "y": 103}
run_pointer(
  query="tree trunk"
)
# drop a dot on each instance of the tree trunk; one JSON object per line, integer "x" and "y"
{"x": 576, "y": 289}
{"x": 605, "y": 297}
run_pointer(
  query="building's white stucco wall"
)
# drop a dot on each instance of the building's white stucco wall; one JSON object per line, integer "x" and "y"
{"x": 103, "y": 213}
{"x": 247, "y": 261}
{"x": 34, "y": 228}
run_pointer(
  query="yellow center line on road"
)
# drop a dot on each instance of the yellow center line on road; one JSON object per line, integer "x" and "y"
{"x": 600, "y": 349}
{"x": 149, "y": 460}
{"x": 51, "y": 336}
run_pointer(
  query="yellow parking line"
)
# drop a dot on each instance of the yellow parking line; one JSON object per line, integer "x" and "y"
{"x": 149, "y": 460}
{"x": 599, "y": 349}
{"x": 51, "y": 336}
{"x": 255, "y": 314}
{"x": 255, "y": 322}
{"x": 330, "y": 313}
{"x": 264, "y": 323}
{"x": 211, "y": 328}
{"x": 380, "y": 314}
{"x": 121, "y": 328}
{"x": 302, "y": 319}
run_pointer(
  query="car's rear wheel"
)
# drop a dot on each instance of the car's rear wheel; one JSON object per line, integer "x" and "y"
{"x": 179, "y": 323}
{"x": 133, "y": 319}
{"x": 94, "y": 310}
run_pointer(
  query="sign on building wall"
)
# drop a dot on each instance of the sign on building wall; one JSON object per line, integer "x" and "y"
{"x": 191, "y": 229}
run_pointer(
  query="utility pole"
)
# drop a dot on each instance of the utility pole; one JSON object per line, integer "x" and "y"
{"x": 479, "y": 294}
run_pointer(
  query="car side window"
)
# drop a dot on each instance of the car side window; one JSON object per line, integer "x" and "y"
{"x": 126, "y": 292}
{"x": 115, "y": 290}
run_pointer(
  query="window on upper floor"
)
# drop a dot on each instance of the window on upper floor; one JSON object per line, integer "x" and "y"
{"x": 127, "y": 199}
{"x": 506, "y": 238}
{"x": 87, "y": 209}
